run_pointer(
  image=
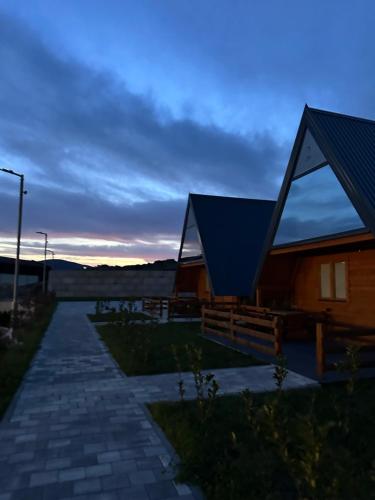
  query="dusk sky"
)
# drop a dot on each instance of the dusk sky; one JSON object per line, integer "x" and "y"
{"x": 116, "y": 110}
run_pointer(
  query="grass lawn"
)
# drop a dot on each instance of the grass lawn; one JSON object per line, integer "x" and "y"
{"x": 290, "y": 449}
{"x": 15, "y": 361}
{"x": 146, "y": 349}
{"x": 111, "y": 316}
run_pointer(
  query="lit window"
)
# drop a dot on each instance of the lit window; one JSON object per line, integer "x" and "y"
{"x": 340, "y": 280}
{"x": 333, "y": 281}
{"x": 325, "y": 281}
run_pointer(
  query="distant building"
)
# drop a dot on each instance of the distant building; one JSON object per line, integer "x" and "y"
{"x": 30, "y": 274}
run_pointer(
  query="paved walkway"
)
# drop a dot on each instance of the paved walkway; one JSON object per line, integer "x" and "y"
{"x": 75, "y": 431}
{"x": 79, "y": 429}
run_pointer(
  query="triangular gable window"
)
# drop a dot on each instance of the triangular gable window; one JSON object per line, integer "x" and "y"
{"x": 317, "y": 206}
{"x": 191, "y": 247}
{"x": 310, "y": 156}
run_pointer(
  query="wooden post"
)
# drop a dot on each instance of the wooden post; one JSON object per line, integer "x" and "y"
{"x": 231, "y": 324}
{"x": 320, "y": 354}
{"x": 258, "y": 297}
{"x": 203, "y": 317}
{"x": 278, "y": 336}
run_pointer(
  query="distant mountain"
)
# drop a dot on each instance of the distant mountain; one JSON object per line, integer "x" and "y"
{"x": 158, "y": 265}
{"x": 65, "y": 265}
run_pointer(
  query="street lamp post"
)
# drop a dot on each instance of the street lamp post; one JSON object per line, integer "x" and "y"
{"x": 52, "y": 252}
{"x": 17, "y": 261}
{"x": 45, "y": 260}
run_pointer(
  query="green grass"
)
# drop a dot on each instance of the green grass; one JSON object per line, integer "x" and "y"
{"x": 111, "y": 316}
{"x": 229, "y": 459}
{"x": 15, "y": 361}
{"x": 146, "y": 349}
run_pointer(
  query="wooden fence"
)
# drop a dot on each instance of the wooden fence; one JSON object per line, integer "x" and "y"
{"x": 334, "y": 338}
{"x": 154, "y": 307}
{"x": 259, "y": 332}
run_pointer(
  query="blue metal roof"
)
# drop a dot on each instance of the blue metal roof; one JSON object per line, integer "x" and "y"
{"x": 232, "y": 232}
{"x": 349, "y": 146}
{"x": 348, "y": 143}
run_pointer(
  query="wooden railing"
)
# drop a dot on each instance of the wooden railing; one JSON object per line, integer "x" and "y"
{"x": 261, "y": 333}
{"x": 192, "y": 307}
{"x": 184, "y": 308}
{"x": 154, "y": 306}
{"x": 334, "y": 338}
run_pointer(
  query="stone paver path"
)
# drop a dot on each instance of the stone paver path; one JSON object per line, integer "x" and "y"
{"x": 79, "y": 429}
{"x": 76, "y": 431}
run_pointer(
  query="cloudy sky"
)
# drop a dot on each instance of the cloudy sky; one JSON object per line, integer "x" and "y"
{"x": 115, "y": 110}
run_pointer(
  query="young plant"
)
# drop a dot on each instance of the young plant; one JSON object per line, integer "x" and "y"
{"x": 180, "y": 382}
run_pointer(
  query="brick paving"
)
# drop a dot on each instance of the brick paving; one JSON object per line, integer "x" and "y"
{"x": 78, "y": 428}
{"x": 76, "y": 431}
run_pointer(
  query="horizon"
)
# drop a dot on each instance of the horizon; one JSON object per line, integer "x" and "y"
{"x": 112, "y": 132}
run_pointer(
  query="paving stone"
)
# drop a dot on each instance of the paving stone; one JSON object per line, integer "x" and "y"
{"x": 133, "y": 493}
{"x": 72, "y": 474}
{"x": 21, "y": 457}
{"x": 58, "y": 463}
{"x": 105, "y": 495}
{"x": 182, "y": 489}
{"x": 57, "y": 490}
{"x": 124, "y": 466}
{"x": 115, "y": 482}
{"x": 142, "y": 477}
{"x": 98, "y": 470}
{"x": 41, "y": 478}
{"x": 161, "y": 490}
{"x": 91, "y": 485}
{"x": 109, "y": 456}
{"x": 28, "y": 494}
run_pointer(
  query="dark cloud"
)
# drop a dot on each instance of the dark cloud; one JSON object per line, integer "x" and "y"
{"x": 70, "y": 120}
{"x": 76, "y": 214}
{"x": 90, "y": 146}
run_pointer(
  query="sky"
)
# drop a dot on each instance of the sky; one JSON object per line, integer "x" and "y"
{"x": 116, "y": 110}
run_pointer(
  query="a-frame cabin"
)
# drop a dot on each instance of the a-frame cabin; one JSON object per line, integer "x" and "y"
{"x": 322, "y": 257}
{"x": 219, "y": 257}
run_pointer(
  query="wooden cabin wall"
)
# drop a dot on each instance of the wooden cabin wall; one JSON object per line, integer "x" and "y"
{"x": 276, "y": 281}
{"x": 187, "y": 279}
{"x": 359, "y": 308}
{"x": 204, "y": 292}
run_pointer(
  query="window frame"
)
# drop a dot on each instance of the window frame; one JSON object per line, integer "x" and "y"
{"x": 332, "y": 280}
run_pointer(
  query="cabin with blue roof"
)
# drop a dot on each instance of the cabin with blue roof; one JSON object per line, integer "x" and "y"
{"x": 322, "y": 256}
{"x": 312, "y": 275}
{"x": 219, "y": 258}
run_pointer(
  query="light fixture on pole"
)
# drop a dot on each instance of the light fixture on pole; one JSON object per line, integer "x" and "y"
{"x": 52, "y": 252}
{"x": 45, "y": 260}
{"x": 17, "y": 261}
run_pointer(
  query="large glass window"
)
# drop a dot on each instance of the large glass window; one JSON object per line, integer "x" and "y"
{"x": 191, "y": 246}
{"x": 310, "y": 156}
{"x": 316, "y": 206}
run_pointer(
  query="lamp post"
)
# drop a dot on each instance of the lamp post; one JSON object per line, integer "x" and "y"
{"x": 52, "y": 252}
{"x": 45, "y": 259}
{"x": 17, "y": 261}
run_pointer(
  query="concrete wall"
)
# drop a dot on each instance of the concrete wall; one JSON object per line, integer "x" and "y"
{"x": 111, "y": 283}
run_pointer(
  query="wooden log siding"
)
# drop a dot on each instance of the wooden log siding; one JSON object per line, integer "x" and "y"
{"x": 228, "y": 324}
{"x": 343, "y": 335}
